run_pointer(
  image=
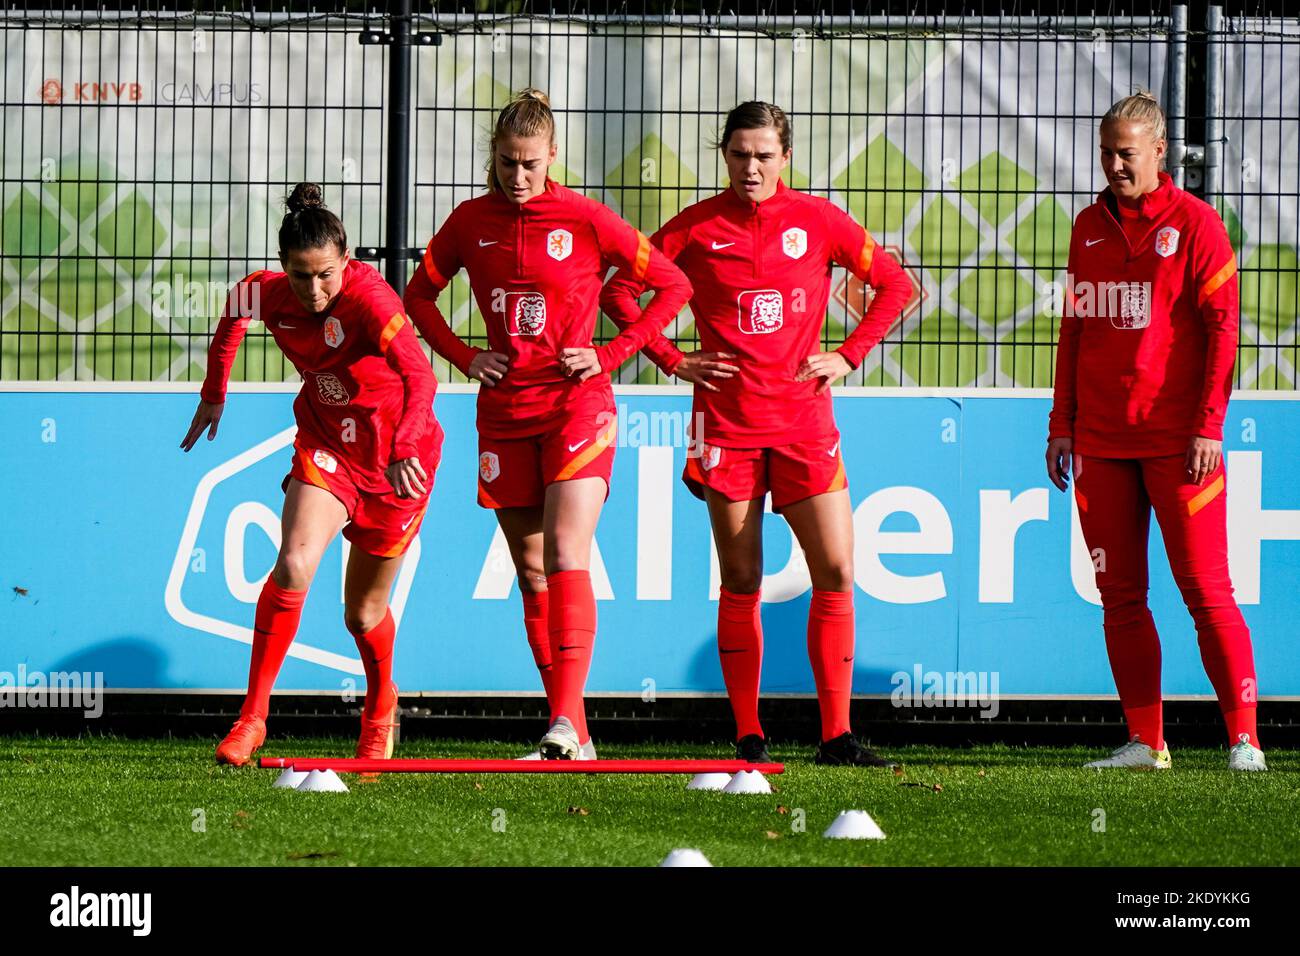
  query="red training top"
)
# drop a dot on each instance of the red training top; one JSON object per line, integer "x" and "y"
{"x": 367, "y": 391}
{"x": 536, "y": 269}
{"x": 761, "y": 273}
{"x": 1147, "y": 344}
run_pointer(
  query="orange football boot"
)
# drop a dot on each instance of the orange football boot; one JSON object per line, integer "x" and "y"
{"x": 248, "y": 734}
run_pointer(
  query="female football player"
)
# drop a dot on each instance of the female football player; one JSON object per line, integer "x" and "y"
{"x": 364, "y": 456}
{"x": 759, "y": 257}
{"x": 536, "y": 253}
{"x": 1143, "y": 375}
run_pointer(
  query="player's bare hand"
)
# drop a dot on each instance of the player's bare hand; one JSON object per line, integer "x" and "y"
{"x": 407, "y": 478}
{"x": 581, "y": 364}
{"x": 830, "y": 367}
{"x": 489, "y": 367}
{"x": 1060, "y": 458}
{"x": 1203, "y": 458}
{"x": 698, "y": 367}
{"x": 207, "y": 415}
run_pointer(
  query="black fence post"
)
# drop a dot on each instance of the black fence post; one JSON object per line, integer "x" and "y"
{"x": 399, "y": 146}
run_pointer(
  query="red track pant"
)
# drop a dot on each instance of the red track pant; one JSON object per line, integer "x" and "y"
{"x": 1115, "y": 498}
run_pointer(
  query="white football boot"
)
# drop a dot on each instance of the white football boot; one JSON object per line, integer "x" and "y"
{"x": 1245, "y": 756}
{"x": 560, "y": 742}
{"x": 586, "y": 752}
{"x": 1136, "y": 756}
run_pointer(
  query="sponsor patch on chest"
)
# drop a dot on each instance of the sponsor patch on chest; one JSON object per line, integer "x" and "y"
{"x": 762, "y": 311}
{"x": 330, "y": 389}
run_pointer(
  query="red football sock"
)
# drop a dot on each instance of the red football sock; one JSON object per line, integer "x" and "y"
{"x": 376, "y": 648}
{"x": 274, "y": 626}
{"x": 571, "y": 620}
{"x": 740, "y": 649}
{"x": 830, "y": 649}
{"x": 539, "y": 638}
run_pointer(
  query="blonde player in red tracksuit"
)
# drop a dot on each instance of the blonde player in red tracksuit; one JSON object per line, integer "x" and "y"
{"x": 363, "y": 459}
{"x": 536, "y": 253}
{"x": 759, "y": 257}
{"x": 1143, "y": 376}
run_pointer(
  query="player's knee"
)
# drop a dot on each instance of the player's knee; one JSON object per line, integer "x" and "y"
{"x": 564, "y": 554}
{"x": 363, "y": 617}
{"x": 835, "y": 576}
{"x": 745, "y": 580}
{"x": 294, "y": 570}
{"x": 532, "y": 580}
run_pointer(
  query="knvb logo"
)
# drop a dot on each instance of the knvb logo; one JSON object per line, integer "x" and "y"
{"x": 103, "y": 91}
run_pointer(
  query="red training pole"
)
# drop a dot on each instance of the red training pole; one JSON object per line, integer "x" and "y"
{"x": 351, "y": 765}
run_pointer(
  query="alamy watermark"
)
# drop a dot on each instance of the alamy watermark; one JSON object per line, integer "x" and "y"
{"x": 922, "y": 688}
{"x": 56, "y": 689}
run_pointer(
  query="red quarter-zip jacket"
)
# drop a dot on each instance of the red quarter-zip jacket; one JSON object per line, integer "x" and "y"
{"x": 761, "y": 274}
{"x": 536, "y": 270}
{"x": 1148, "y": 341}
{"x": 367, "y": 392}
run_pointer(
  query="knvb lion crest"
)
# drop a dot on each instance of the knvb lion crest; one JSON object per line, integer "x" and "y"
{"x": 794, "y": 243}
{"x": 324, "y": 459}
{"x": 559, "y": 244}
{"x": 333, "y": 332}
{"x": 1134, "y": 306}
{"x": 489, "y": 466}
{"x": 1167, "y": 241}
{"x": 710, "y": 455}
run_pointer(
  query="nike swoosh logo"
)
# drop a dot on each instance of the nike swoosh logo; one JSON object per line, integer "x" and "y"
{"x": 408, "y": 523}
{"x": 286, "y": 325}
{"x": 732, "y": 650}
{"x": 1089, "y": 243}
{"x": 481, "y": 243}
{"x": 571, "y": 647}
{"x": 721, "y": 245}
{"x": 579, "y": 445}
{"x": 834, "y": 449}
{"x": 848, "y": 660}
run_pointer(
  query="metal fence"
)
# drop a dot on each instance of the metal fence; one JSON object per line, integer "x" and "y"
{"x": 145, "y": 156}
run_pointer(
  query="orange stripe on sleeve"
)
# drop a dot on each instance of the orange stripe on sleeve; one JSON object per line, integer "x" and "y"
{"x": 1203, "y": 498}
{"x": 431, "y": 269}
{"x": 866, "y": 254}
{"x": 588, "y": 454}
{"x": 390, "y": 330}
{"x": 1216, "y": 281}
{"x": 642, "y": 256}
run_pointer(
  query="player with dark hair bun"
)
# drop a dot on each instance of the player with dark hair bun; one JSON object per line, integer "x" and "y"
{"x": 364, "y": 456}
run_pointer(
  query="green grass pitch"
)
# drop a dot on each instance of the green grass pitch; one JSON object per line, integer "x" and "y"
{"x": 107, "y": 801}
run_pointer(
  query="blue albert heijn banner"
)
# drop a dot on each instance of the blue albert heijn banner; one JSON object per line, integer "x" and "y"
{"x": 124, "y": 556}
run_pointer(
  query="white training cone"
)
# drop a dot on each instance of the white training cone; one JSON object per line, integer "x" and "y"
{"x": 854, "y": 825}
{"x": 685, "y": 858}
{"x": 748, "y": 781}
{"x": 290, "y": 778}
{"x": 709, "y": 781}
{"x": 322, "y": 781}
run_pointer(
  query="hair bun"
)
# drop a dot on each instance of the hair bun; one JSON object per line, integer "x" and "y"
{"x": 305, "y": 196}
{"x": 529, "y": 93}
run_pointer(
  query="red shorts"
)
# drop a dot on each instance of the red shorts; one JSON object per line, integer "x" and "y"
{"x": 381, "y": 524}
{"x": 514, "y": 472}
{"x": 791, "y": 472}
